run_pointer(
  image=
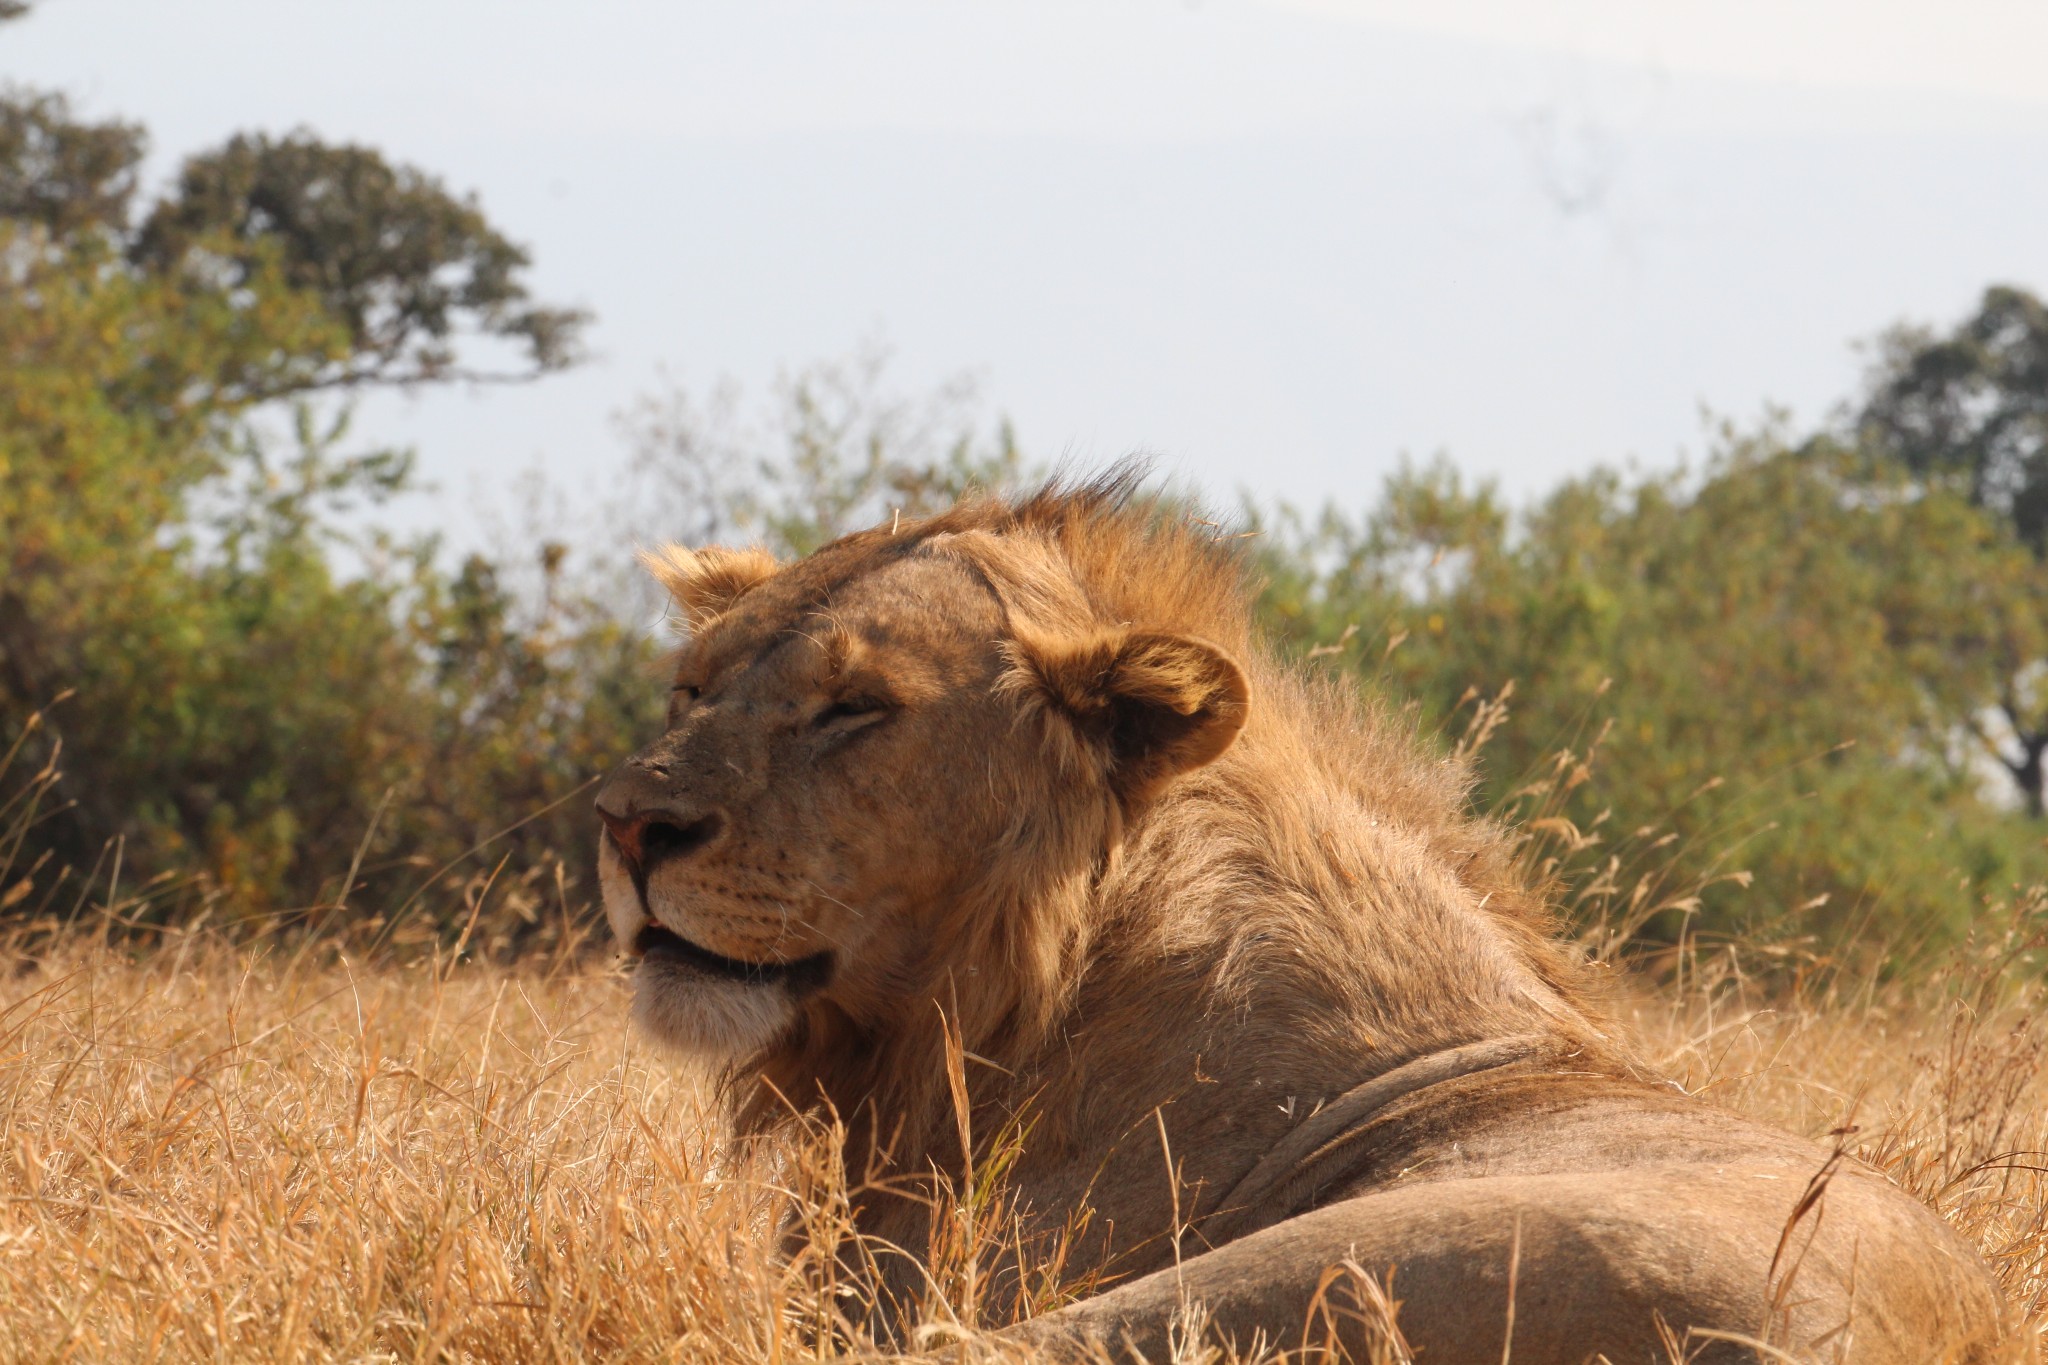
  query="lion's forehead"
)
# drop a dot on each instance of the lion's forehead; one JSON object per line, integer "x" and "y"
{"x": 925, "y": 621}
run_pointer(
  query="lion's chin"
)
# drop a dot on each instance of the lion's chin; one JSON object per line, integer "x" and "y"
{"x": 705, "y": 1017}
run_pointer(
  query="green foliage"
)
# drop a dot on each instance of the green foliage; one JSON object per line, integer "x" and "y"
{"x": 1969, "y": 410}
{"x": 1967, "y": 413}
{"x": 60, "y": 174}
{"x": 395, "y": 258}
{"x": 238, "y": 708}
{"x": 1775, "y": 661}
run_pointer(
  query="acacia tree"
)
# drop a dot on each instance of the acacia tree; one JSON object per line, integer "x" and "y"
{"x": 1967, "y": 411}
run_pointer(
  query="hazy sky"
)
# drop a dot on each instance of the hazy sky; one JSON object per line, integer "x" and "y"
{"x": 1278, "y": 244}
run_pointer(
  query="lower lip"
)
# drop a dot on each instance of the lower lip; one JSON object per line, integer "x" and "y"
{"x": 658, "y": 945}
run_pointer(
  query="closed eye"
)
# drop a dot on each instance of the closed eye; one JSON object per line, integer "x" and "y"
{"x": 851, "y": 709}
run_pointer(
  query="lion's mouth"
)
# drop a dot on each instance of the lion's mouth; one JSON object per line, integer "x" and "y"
{"x": 801, "y": 975}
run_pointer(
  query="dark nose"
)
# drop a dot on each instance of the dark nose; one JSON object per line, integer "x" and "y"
{"x": 650, "y": 817}
{"x": 648, "y": 836}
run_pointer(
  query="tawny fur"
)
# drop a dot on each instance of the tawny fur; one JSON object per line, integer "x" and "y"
{"x": 1173, "y": 899}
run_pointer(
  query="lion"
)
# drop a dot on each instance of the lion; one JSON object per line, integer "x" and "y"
{"x": 1004, "y": 821}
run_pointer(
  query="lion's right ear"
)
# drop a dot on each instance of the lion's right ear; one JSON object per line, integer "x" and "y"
{"x": 705, "y": 583}
{"x": 1150, "y": 705}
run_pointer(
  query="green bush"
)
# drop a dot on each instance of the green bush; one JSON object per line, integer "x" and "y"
{"x": 1780, "y": 660}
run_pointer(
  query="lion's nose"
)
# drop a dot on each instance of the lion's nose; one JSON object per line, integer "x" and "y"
{"x": 645, "y": 837}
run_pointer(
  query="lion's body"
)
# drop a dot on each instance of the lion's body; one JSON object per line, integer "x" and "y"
{"x": 1225, "y": 944}
{"x": 1609, "y": 1205}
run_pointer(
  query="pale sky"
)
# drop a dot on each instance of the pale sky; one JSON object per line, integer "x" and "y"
{"x": 1277, "y": 244}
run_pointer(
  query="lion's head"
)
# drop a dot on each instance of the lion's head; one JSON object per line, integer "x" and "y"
{"x": 881, "y": 765}
{"x": 1004, "y": 820}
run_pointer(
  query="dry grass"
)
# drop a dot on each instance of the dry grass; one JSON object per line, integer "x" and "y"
{"x": 337, "y": 1147}
{"x": 211, "y": 1151}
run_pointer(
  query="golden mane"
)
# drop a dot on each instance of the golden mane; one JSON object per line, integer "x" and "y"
{"x": 1101, "y": 553}
{"x": 1148, "y": 563}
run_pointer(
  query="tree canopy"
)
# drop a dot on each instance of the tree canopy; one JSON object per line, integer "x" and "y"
{"x": 235, "y": 707}
{"x": 1968, "y": 409}
{"x": 399, "y": 262}
{"x": 1966, "y": 413}
{"x": 60, "y": 174}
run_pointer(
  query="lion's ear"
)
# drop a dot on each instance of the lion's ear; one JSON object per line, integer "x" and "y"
{"x": 705, "y": 583}
{"x": 1154, "y": 705}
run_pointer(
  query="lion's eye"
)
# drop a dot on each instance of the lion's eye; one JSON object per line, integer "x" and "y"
{"x": 684, "y": 693}
{"x": 849, "y": 708}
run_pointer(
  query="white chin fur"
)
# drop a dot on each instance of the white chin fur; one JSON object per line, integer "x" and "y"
{"x": 706, "y": 1018}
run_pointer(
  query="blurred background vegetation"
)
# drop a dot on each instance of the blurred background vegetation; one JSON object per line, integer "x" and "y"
{"x": 1818, "y": 660}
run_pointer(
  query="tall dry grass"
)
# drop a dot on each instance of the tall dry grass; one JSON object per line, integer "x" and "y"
{"x": 224, "y": 1148}
{"x": 213, "y": 1150}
